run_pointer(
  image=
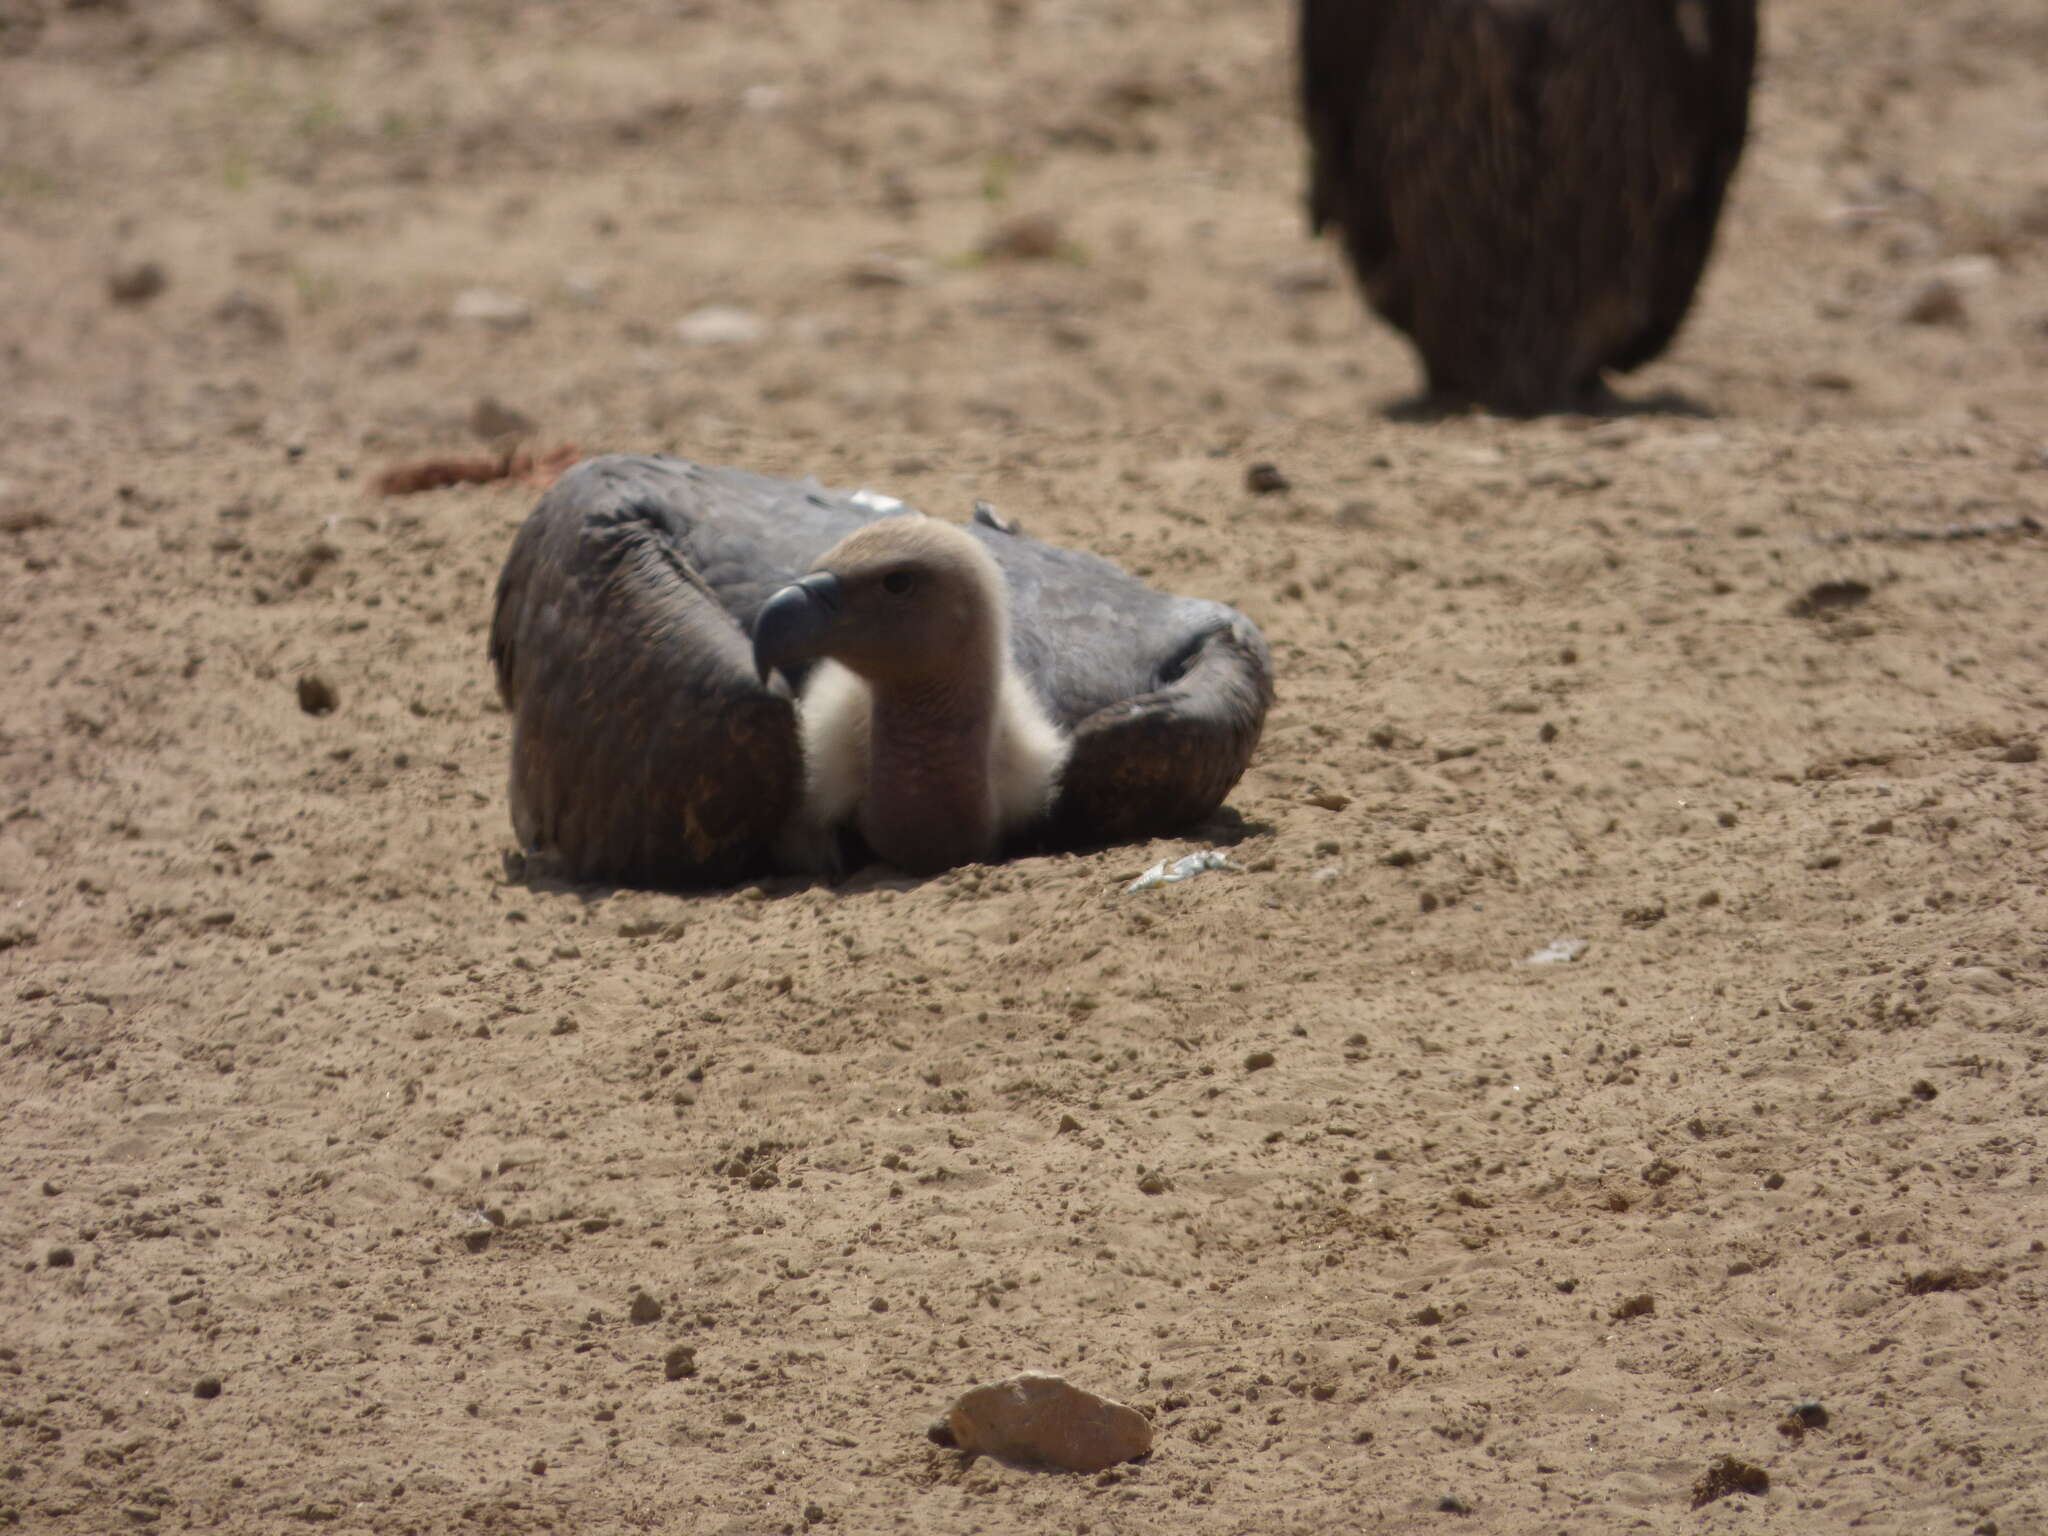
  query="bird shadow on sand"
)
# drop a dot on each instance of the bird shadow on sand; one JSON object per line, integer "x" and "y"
{"x": 1605, "y": 405}
{"x": 538, "y": 875}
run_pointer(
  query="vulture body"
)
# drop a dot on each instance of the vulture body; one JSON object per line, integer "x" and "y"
{"x": 670, "y": 639}
{"x": 1528, "y": 189}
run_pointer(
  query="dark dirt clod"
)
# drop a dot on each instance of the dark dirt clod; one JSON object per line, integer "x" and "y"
{"x": 1951, "y": 1278}
{"x": 137, "y": 283}
{"x": 494, "y": 421}
{"x": 207, "y": 1387}
{"x": 644, "y": 1308}
{"x": 1826, "y": 597}
{"x": 1726, "y": 1476}
{"x": 1266, "y": 480}
{"x": 318, "y": 696}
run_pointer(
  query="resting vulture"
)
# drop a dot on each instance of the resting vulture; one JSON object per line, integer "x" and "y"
{"x": 712, "y": 675}
{"x": 1527, "y": 188}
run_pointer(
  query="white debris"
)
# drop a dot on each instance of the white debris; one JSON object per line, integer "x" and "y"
{"x": 1969, "y": 271}
{"x": 890, "y": 269}
{"x": 1559, "y": 952}
{"x": 1180, "y": 869}
{"x": 875, "y": 501}
{"x": 720, "y": 325}
{"x": 490, "y": 306}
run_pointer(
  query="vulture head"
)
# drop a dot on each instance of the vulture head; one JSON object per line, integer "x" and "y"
{"x": 917, "y": 727}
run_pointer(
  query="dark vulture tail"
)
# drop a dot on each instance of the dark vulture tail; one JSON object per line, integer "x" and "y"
{"x": 1528, "y": 189}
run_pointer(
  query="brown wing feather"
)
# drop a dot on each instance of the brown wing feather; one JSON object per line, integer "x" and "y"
{"x": 644, "y": 750}
{"x": 1160, "y": 762}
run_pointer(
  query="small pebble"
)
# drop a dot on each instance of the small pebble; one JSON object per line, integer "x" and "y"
{"x": 318, "y": 696}
{"x": 1266, "y": 480}
{"x": 1729, "y": 1475}
{"x": 488, "y": 306}
{"x": 1258, "y": 1061}
{"x": 644, "y": 1308}
{"x": 1027, "y": 237}
{"x": 254, "y": 319}
{"x": 136, "y": 283}
{"x": 206, "y": 1386}
{"x": 720, "y": 325}
{"x": 60, "y": 1258}
{"x": 1937, "y": 301}
{"x": 494, "y": 421}
{"x": 886, "y": 269}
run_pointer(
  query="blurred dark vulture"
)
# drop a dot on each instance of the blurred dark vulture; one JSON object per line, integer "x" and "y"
{"x": 713, "y": 675}
{"x": 1527, "y": 188}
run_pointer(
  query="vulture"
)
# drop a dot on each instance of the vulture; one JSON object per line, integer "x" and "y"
{"x": 713, "y": 675}
{"x": 1527, "y": 189}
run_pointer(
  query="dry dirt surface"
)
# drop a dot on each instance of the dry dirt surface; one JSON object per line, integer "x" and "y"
{"x": 354, "y": 1183}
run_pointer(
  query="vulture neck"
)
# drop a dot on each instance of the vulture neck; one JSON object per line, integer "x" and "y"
{"x": 931, "y": 800}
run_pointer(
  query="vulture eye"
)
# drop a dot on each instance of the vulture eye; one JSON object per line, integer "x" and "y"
{"x": 896, "y": 583}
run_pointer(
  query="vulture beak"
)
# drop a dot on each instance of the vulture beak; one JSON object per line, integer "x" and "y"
{"x": 795, "y": 621}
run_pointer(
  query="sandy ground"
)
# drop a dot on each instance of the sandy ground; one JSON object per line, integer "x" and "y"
{"x": 305, "y": 1099}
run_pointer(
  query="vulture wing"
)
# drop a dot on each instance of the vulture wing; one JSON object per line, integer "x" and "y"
{"x": 646, "y": 751}
{"x": 1706, "y": 123}
{"x": 643, "y": 749}
{"x": 1164, "y": 696}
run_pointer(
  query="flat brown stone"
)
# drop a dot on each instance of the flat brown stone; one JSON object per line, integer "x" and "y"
{"x": 1044, "y": 1420}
